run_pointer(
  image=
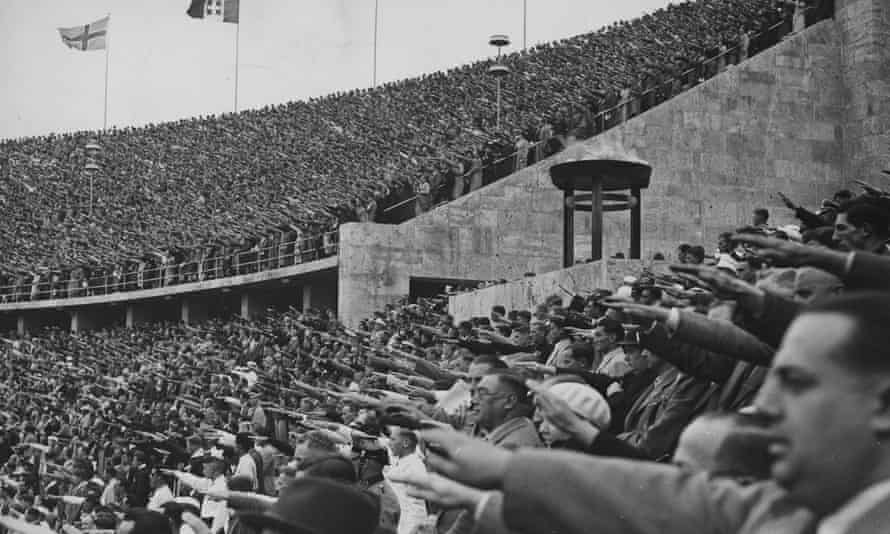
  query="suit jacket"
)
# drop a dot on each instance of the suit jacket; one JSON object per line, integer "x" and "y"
{"x": 567, "y": 493}
{"x": 515, "y": 433}
{"x": 869, "y": 271}
{"x": 655, "y": 421}
{"x": 512, "y": 434}
{"x": 867, "y": 513}
{"x": 692, "y": 348}
{"x": 770, "y": 326}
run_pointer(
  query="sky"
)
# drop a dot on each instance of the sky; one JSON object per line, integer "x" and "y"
{"x": 163, "y": 65}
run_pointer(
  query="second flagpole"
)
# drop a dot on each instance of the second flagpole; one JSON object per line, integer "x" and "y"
{"x": 107, "y": 47}
{"x": 237, "y": 46}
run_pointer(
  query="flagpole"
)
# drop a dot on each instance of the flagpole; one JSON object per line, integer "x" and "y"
{"x": 524, "y": 23}
{"x": 237, "y": 46}
{"x": 107, "y": 46}
{"x": 376, "y": 7}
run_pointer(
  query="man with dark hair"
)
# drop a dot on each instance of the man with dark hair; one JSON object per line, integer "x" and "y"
{"x": 606, "y": 336}
{"x": 249, "y": 460}
{"x": 695, "y": 255}
{"x": 483, "y": 365}
{"x": 863, "y": 224}
{"x": 406, "y": 462}
{"x": 761, "y": 218}
{"x": 557, "y": 337}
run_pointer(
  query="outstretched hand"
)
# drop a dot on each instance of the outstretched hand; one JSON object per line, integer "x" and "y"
{"x": 638, "y": 311}
{"x": 726, "y": 286}
{"x": 465, "y": 459}
{"x": 437, "y": 489}
{"x": 780, "y": 252}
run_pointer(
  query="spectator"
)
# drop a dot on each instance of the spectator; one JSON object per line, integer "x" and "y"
{"x": 407, "y": 462}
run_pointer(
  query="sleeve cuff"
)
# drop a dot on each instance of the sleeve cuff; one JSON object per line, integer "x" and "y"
{"x": 848, "y": 264}
{"x": 673, "y": 322}
{"x": 479, "y": 508}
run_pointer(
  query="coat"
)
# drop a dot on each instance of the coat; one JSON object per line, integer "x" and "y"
{"x": 512, "y": 434}
{"x": 733, "y": 368}
{"x": 568, "y": 493}
{"x": 656, "y": 420}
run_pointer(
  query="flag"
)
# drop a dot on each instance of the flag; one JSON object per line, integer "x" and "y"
{"x": 225, "y": 10}
{"x": 87, "y": 37}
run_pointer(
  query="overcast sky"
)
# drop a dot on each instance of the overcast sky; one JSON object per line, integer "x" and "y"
{"x": 165, "y": 66}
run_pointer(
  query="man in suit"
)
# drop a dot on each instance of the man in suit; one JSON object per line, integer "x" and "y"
{"x": 501, "y": 408}
{"x": 655, "y": 421}
{"x": 825, "y": 407}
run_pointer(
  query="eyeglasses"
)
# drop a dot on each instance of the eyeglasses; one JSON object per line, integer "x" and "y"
{"x": 485, "y": 394}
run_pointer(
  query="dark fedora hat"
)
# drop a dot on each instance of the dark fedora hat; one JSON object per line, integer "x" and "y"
{"x": 312, "y": 505}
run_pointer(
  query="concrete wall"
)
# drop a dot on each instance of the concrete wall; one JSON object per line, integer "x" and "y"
{"x": 774, "y": 123}
{"x": 525, "y": 293}
{"x": 864, "y": 26}
{"x": 728, "y": 146}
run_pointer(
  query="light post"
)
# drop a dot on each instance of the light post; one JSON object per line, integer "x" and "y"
{"x": 499, "y": 70}
{"x": 93, "y": 149}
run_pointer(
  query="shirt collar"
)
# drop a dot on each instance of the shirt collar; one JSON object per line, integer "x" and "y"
{"x": 856, "y": 508}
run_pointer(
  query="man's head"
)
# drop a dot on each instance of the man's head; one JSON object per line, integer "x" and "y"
{"x": 696, "y": 254}
{"x": 521, "y": 335}
{"x": 760, "y": 218}
{"x": 723, "y": 445}
{"x": 826, "y": 401}
{"x": 313, "y": 444}
{"x": 498, "y": 313}
{"x": 556, "y": 330}
{"x": 214, "y": 465}
{"x": 156, "y": 479}
{"x": 607, "y": 334}
{"x": 402, "y": 442}
{"x": 638, "y": 359}
{"x": 862, "y": 224}
{"x": 578, "y": 356}
{"x": 482, "y": 365}
{"x": 465, "y": 329}
{"x": 243, "y": 443}
{"x": 499, "y": 397}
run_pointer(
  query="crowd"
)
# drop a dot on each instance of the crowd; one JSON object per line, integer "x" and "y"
{"x": 745, "y": 389}
{"x": 742, "y": 391}
{"x": 173, "y": 198}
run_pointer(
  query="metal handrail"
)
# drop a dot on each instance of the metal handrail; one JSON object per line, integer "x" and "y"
{"x": 173, "y": 274}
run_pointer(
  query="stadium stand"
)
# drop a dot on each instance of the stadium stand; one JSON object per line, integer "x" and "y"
{"x": 702, "y": 397}
{"x": 209, "y": 197}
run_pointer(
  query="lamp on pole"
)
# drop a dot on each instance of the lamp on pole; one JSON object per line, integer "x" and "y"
{"x": 499, "y": 70}
{"x": 93, "y": 149}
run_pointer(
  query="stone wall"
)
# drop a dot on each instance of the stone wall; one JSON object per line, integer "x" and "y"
{"x": 728, "y": 146}
{"x": 865, "y": 30}
{"x": 525, "y": 293}
{"x": 786, "y": 120}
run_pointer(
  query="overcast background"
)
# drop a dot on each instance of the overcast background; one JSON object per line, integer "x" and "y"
{"x": 165, "y": 66}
